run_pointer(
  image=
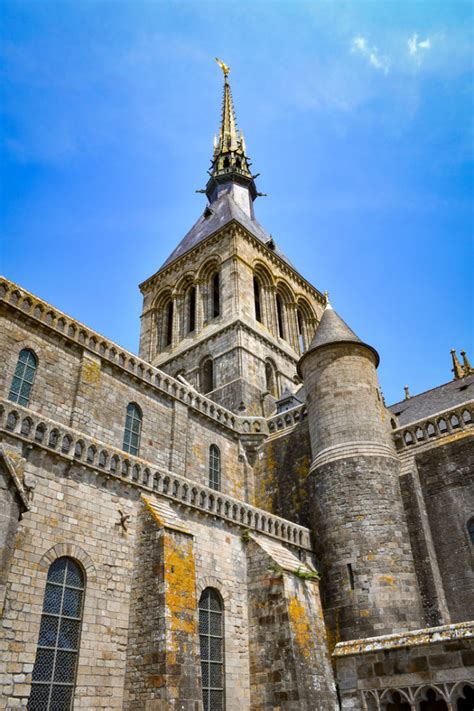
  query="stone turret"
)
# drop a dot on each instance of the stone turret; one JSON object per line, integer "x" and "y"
{"x": 368, "y": 580}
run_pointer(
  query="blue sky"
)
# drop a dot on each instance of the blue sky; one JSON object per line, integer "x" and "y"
{"x": 356, "y": 114}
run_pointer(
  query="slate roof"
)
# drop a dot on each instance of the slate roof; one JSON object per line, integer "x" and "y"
{"x": 214, "y": 218}
{"x": 435, "y": 400}
{"x": 332, "y": 329}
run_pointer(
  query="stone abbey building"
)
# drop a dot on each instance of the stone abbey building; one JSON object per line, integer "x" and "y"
{"x": 232, "y": 519}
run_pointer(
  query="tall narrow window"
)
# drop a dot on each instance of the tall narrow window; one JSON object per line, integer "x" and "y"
{"x": 216, "y": 295}
{"x": 191, "y": 309}
{"x": 168, "y": 330}
{"x": 299, "y": 319}
{"x": 470, "y": 530}
{"x": 54, "y": 672}
{"x": 279, "y": 306}
{"x": 214, "y": 467}
{"x": 257, "y": 299}
{"x": 133, "y": 426}
{"x": 207, "y": 376}
{"x": 211, "y": 638}
{"x": 23, "y": 378}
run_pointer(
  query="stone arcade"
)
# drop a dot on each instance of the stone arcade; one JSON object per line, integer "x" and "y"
{"x": 170, "y": 520}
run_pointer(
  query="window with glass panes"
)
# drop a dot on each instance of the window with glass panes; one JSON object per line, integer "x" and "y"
{"x": 133, "y": 426}
{"x": 23, "y": 378}
{"x": 211, "y": 638}
{"x": 214, "y": 467}
{"x": 54, "y": 672}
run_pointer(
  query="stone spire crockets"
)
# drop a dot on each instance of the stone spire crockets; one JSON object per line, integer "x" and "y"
{"x": 230, "y": 164}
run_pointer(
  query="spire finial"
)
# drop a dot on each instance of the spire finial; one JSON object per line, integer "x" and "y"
{"x": 230, "y": 163}
{"x": 224, "y": 67}
{"x": 468, "y": 369}
{"x": 457, "y": 370}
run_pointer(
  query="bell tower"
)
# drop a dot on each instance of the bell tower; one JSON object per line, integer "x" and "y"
{"x": 227, "y": 311}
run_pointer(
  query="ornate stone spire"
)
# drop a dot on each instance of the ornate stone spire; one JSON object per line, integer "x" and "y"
{"x": 230, "y": 163}
{"x": 468, "y": 369}
{"x": 457, "y": 369}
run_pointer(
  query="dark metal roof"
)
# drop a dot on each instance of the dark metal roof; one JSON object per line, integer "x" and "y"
{"x": 215, "y": 217}
{"x": 436, "y": 400}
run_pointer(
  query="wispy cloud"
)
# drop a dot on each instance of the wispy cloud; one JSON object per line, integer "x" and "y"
{"x": 414, "y": 46}
{"x": 371, "y": 53}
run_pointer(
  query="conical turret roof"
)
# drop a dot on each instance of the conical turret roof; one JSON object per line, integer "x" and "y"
{"x": 333, "y": 329}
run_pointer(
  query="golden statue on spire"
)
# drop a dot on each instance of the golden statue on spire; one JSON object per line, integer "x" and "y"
{"x": 224, "y": 67}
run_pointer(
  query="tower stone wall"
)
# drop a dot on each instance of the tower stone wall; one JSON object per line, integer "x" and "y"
{"x": 368, "y": 578}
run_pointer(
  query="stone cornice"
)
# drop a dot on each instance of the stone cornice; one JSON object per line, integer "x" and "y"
{"x": 414, "y": 638}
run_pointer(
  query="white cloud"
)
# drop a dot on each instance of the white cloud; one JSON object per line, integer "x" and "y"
{"x": 414, "y": 46}
{"x": 375, "y": 59}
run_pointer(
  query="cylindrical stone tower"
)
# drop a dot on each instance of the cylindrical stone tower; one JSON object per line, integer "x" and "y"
{"x": 368, "y": 579}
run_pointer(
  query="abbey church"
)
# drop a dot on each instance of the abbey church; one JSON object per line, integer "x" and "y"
{"x": 233, "y": 519}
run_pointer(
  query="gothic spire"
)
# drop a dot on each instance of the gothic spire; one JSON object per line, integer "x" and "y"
{"x": 230, "y": 163}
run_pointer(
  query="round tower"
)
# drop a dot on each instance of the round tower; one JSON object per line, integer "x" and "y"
{"x": 368, "y": 578}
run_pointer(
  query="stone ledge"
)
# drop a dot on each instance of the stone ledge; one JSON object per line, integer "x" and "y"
{"x": 414, "y": 638}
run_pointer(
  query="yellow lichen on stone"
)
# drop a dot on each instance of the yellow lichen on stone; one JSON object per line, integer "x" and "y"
{"x": 90, "y": 372}
{"x": 301, "y": 626}
{"x": 180, "y": 591}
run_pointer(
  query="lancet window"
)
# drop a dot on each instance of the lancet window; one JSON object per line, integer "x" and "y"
{"x": 23, "y": 378}
{"x": 216, "y": 295}
{"x": 207, "y": 375}
{"x": 133, "y": 427}
{"x": 211, "y": 639}
{"x": 54, "y": 671}
{"x": 257, "y": 293}
{"x": 214, "y": 467}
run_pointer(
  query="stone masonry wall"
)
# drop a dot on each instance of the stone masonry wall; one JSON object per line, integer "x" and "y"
{"x": 368, "y": 678}
{"x": 74, "y": 387}
{"x": 281, "y": 472}
{"x": 447, "y": 480}
{"x": 289, "y": 663}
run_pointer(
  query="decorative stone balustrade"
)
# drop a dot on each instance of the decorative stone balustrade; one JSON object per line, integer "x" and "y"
{"x": 77, "y": 447}
{"x": 70, "y": 329}
{"x": 287, "y": 419}
{"x": 422, "y": 431}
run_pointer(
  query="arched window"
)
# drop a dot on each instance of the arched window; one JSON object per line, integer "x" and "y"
{"x": 279, "y": 305}
{"x": 54, "y": 672}
{"x": 470, "y": 530}
{"x": 226, "y": 162}
{"x": 207, "y": 376}
{"x": 192, "y": 309}
{"x": 216, "y": 295}
{"x": 211, "y": 638}
{"x": 214, "y": 467}
{"x": 397, "y": 703}
{"x": 168, "y": 325}
{"x": 257, "y": 299}
{"x": 133, "y": 426}
{"x": 299, "y": 319}
{"x": 466, "y": 701}
{"x": 433, "y": 702}
{"x": 23, "y": 378}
